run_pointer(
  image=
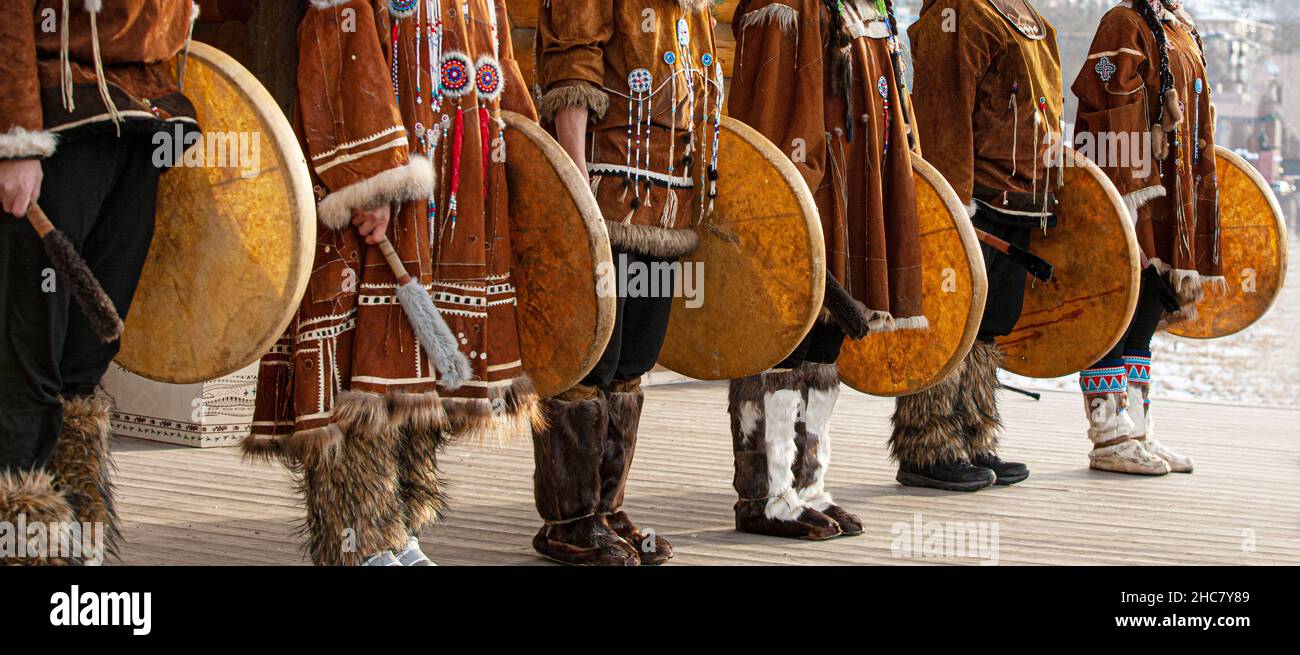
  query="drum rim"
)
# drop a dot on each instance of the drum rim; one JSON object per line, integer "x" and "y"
{"x": 1283, "y": 252}
{"x": 274, "y": 121}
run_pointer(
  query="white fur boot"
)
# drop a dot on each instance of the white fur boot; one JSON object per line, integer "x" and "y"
{"x": 1109, "y": 427}
{"x": 1138, "y": 368}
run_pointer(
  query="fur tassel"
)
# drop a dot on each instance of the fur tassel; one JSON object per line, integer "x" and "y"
{"x": 1137, "y": 199}
{"x": 410, "y": 182}
{"x": 20, "y": 143}
{"x": 574, "y": 95}
{"x": 785, "y": 16}
{"x": 651, "y": 240}
{"x": 434, "y": 335}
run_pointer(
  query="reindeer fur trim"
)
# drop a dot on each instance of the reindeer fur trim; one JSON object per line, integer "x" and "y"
{"x": 692, "y": 6}
{"x": 785, "y": 16}
{"x": 979, "y": 389}
{"x": 327, "y": 4}
{"x": 651, "y": 240}
{"x": 1137, "y": 199}
{"x": 573, "y": 95}
{"x": 33, "y": 496}
{"x": 410, "y": 182}
{"x": 20, "y": 143}
{"x": 930, "y": 426}
{"x": 82, "y": 465}
{"x": 511, "y": 413}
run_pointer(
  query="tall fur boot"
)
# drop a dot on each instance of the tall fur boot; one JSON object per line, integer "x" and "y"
{"x": 1105, "y": 401}
{"x": 1138, "y": 367}
{"x": 812, "y": 440}
{"x": 420, "y": 423}
{"x": 764, "y": 409}
{"x": 28, "y": 499}
{"x": 82, "y": 466}
{"x": 568, "y": 458}
{"x": 625, "y": 400}
{"x": 979, "y": 396}
{"x": 347, "y": 473}
{"x": 929, "y": 439}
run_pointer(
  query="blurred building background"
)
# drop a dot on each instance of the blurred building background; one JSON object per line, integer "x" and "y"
{"x": 1253, "y": 48}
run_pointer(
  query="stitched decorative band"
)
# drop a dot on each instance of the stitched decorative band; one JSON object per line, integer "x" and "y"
{"x": 1138, "y": 368}
{"x": 1109, "y": 379}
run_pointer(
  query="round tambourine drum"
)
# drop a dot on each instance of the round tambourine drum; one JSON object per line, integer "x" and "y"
{"x": 234, "y": 238}
{"x": 1075, "y": 319}
{"x": 1253, "y": 244}
{"x": 954, "y": 289}
{"x": 760, "y": 267}
{"x": 561, "y": 251}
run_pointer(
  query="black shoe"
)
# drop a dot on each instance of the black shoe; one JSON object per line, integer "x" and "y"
{"x": 949, "y": 476}
{"x": 1007, "y": 472}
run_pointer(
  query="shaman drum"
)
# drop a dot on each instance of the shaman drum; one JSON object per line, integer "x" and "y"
{"x": 759, "y": 271}
{"x": 234, "y": 240}
{"x": 955, "y": 286}
{"x": 562, "y": 260}
{"x": 1253, "y": 244}
{"x": 1072, "y": 321}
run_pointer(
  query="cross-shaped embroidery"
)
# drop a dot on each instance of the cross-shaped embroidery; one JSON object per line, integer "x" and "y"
{"x": 1106, "y": 69}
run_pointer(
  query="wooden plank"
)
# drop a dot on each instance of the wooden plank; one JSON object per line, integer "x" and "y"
{"x": 185, "y": 506}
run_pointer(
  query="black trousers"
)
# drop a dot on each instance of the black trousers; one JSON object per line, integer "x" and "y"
{"x": 821, "y": 346}
{"x": 100, "y": 192}
{"x": 1146, "y": 319}
{"x": 641, "y": 323}
{"x": 1006, "y": 297}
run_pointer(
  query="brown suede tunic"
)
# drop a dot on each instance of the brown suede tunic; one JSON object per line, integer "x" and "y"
{"x": 648, "y": 72}
{"x": 377, "y": 116}
{"x": 134, "y": 41}
{"x": 850, "y": 144}
{"x": 989, "y": 101}
{"x": 1174, "y": 200}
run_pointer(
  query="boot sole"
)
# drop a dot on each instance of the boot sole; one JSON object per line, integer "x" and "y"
{"x": 914, "y": 480}
{"x": 1149, "y": 474}
{"x": 1010, "y": 480}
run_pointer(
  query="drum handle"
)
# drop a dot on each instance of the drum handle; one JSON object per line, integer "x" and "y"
{"x": 40, "y": 222}
{"x": 394, "y": 262}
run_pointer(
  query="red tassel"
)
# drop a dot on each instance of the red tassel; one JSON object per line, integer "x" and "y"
{"x": 484, "y": 145}
{"x": 457, "y": 142}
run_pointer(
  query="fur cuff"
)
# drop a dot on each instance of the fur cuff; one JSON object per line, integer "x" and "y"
{"x": 652, "y": 240}
{"x": 881, "y": 322}
{"x": 327, "y": 4}
{"x": 692, "y": 6}
{"x": 783, "y": 15}
{"x": 1136, "y": 200}
{"x": 410, "y": 182}
{"x": 20, "y": 143}
{"x": 971, "y": 210}
{"x": 573, "y": 95}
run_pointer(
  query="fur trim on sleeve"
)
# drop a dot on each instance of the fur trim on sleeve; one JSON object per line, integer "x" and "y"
{"x": 574, "y": 95}
{"x": 409, "y": 182}
{"x": 1137, "y": 199}
{"x": 327, "y": 4}
{"x": 692, "y": 6}
{"x": 784, "y": 15}
{"x": 20, "y": 143}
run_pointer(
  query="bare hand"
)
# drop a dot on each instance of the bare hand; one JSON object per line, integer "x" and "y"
{"x": 20, "y": 185}
{"x": 372, "y": 224}
{"x": 571, "y": 132}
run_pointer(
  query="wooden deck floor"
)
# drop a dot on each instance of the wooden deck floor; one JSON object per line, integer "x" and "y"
{"x": 1242, "y": 506}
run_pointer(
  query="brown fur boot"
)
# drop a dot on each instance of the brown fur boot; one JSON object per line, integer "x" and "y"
{"x": 348, "y": 475}
{"x": 566, "y": 483}
{"x": 420, "y": 423}
{"x": 625, "y": 400}
{"x": 764, "y": 410}
{"x": 83, "y": 468}
{"x": 812, "y": 440}
{"x": 929, "y": 439}
{"x": 29, "y": 498}
{"x": 979, "y": 397}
